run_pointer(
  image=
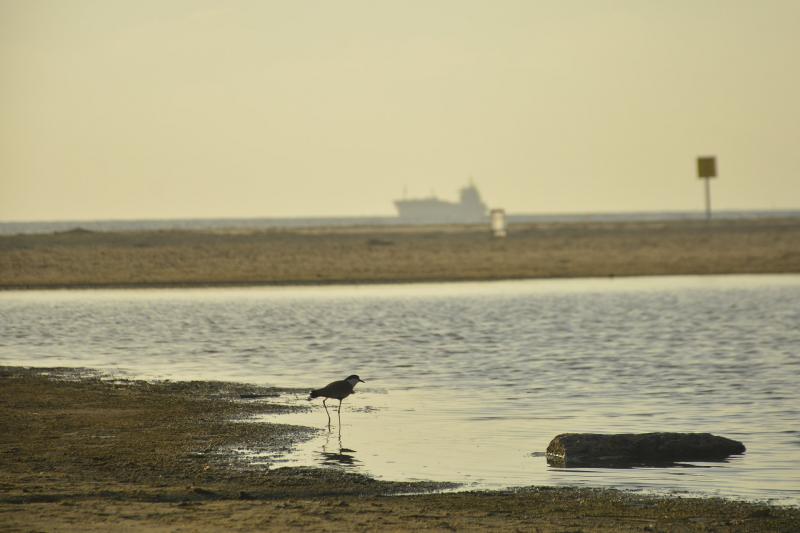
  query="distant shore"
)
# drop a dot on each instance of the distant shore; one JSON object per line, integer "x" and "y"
{"x": 397, "y": 254}
{"x": 80, "y": 451}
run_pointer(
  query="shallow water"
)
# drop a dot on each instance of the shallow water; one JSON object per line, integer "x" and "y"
{"x": 468, "y": 382}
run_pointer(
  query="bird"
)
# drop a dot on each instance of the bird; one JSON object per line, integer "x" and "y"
{"x": 338, "y": 390}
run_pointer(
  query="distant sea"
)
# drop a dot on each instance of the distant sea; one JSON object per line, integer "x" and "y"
{"x": 13, "y": 228}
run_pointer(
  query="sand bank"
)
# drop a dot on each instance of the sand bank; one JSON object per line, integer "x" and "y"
{"x": 398, "y": 254}
{"x": 81, "y": 452}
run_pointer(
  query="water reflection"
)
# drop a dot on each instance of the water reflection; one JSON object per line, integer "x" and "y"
{"x": 335, "y": 454}
{"x": 557, "y": 463}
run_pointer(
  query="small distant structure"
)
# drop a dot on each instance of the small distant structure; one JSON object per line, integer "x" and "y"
{"x": 497, "y": 218}
{"x": 707, "y": 169}
{"x": 469, "y": 209}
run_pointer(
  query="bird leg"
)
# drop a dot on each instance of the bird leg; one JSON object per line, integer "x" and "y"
{"x": 340, "y": 415}
{"x": 326, "y": 412}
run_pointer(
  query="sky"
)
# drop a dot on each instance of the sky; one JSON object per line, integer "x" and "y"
{"x": 135, "y": 109}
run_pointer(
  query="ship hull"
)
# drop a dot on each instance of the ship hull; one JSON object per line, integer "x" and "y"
{"x": 438, "y": 211}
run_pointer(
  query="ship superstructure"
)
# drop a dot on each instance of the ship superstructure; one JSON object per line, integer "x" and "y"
{"x": 470, "y": 208}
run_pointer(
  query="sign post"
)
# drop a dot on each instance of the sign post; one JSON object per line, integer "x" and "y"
{"x": 498, "y": 222}
{"x": 707, "y": 169}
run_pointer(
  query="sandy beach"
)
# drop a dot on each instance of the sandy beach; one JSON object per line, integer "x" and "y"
{"x": 80, "y": 258}
{"x": 78, "y": 451}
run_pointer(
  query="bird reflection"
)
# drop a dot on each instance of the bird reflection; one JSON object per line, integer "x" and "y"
{"x": 335, "y": 454}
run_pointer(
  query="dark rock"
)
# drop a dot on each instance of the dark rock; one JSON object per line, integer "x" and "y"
{"x": 631, "y": 449}
{"x": 74, "y": 231}
{"x": 205, "y": 492}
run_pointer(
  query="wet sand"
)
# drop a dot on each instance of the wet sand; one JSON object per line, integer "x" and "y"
{"x": 81, "y": 258}
{"x": 78, "y": 452}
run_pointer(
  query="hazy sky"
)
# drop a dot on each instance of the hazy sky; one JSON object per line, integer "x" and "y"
{"x": 235, "y": 108}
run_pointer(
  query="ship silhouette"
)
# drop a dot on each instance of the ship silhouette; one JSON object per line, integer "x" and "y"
{"x": 470, "y": 208}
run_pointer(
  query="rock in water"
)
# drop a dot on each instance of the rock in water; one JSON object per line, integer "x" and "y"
{"x": 638, "y": 449}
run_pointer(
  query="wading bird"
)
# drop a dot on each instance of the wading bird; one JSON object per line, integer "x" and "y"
{"x": 338, "y": 390}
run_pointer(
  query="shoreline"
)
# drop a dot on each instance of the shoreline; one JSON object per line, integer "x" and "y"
{"x": 347, "y": 283}
{"x": 78, "y": 448}
{"x": 402, "y": 254}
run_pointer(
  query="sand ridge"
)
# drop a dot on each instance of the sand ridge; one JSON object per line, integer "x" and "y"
{"x": 398, "y": 254}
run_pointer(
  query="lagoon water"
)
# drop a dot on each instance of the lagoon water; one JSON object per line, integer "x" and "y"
{"x": 468, "y": 382}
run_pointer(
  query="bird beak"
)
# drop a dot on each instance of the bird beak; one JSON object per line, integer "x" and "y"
{"x": 362, "y": 381}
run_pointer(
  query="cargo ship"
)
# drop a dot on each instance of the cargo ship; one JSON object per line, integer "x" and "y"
{"x": 470, "y": 208}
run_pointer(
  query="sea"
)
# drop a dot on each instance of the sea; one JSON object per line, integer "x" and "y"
{"x": 469, "y": 382}
{"x": 221, "y": 224}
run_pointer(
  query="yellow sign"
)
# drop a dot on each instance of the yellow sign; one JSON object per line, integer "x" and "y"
{"x": 707, "y": 167}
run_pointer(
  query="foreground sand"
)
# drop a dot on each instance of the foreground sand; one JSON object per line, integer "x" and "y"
{"x": 82, "y": 453}
{"x": 398, "y": 254}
